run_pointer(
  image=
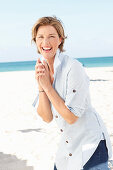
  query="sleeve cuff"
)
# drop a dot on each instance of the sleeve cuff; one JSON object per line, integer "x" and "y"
{"x": 35, "y": 103}
{"x": 76, "y": 111}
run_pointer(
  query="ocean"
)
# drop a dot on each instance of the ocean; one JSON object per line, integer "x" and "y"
{"x": 30, "y": 65}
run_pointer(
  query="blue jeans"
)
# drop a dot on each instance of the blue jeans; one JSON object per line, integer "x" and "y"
{"x": 99, "y": 160}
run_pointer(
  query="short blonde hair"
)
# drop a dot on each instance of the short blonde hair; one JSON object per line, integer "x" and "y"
{"x": 53, "y": 21}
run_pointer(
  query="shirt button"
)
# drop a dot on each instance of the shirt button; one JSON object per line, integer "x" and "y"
{"x": 74, "y": 90}
{"x": 56, "y": 116}
{"x": 67, "y": 141}
{"x": 61, "y": 130}
{"x": 70, "y": 154}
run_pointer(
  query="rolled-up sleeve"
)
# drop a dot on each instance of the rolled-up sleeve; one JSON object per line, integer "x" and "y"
{"x": 77, "y": 89}
{"x": 36, "y": 100}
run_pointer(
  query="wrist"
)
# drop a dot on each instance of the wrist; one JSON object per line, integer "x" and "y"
{"x": 40, "y": 88}
{"x": 48, "y": 89}
{"x": 41, "y": 91}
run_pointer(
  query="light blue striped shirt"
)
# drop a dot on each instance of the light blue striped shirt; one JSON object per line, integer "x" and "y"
{"x": 78, "y": 140}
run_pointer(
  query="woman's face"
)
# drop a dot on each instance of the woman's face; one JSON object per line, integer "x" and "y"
{"x": 47, "y": 41}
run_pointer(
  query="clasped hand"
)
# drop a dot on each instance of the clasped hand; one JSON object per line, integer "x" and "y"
{"x": 42, "y": 75}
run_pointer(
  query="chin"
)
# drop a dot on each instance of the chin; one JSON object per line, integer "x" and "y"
{"x": 48, "y": 56}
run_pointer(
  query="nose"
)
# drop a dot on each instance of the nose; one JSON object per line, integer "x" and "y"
{"x": 45, "y": 41}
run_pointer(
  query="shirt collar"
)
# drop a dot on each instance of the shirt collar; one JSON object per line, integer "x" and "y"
{"x": 57, "y": 60}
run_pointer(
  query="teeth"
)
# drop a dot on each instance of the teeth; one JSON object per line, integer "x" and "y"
{"x": 46, "y": 48}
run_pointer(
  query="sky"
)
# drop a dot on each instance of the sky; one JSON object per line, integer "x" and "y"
{"x": 88, "y": 25}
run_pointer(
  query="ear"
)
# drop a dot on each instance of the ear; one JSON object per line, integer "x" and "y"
{"x": 60, "y": 40}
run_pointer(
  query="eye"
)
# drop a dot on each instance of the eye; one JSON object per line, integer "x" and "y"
{"x": 52, "y": 36}
{"x": 40, "y": 37}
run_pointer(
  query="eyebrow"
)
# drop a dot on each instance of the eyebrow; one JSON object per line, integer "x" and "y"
{"x": 49, "y": 34}
{"x": 52, "y": 34}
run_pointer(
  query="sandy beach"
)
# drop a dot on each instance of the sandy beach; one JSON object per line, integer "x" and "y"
{"x": 26, "y": 142}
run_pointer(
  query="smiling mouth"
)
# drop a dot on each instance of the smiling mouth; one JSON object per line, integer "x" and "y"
{"x": 46, "y": 49}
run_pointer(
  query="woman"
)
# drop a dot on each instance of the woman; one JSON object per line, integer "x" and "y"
{"x": 64, "y": 95}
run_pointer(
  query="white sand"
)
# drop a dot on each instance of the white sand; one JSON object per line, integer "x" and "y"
{"x": 26, "y": 142}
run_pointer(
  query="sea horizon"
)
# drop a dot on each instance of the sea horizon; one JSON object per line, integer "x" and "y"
{"x": 30, "y": 65}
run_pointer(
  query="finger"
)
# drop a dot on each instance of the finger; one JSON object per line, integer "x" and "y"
{"x": 39, "y": 74}
{"x": 36, "y": 77}
{"x": 39, "y": 65}
{"x": 38, "y": 61}
{"x": 46, "y": 65}
{"x": 39, "y": 69}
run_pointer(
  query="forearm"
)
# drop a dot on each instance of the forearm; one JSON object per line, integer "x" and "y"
{"x": 44, "y": 108}
{"x": 60, "y": 106}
